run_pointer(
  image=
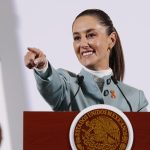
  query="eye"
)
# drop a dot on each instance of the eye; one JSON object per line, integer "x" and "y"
{"x": 91, "y": 35}
{"x": 76, "y": 38}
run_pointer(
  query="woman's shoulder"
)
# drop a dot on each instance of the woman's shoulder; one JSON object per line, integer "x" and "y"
{"x": 127, "y": 87}
{"x": 135, "y": 96}
{"x": 66, "y": 72}
{"x": 130, "y": 90}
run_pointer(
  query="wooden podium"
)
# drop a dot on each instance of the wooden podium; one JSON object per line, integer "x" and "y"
{"x": 50, "y": 130}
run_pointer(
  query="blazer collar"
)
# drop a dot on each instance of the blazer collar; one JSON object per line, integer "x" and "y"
{"x": 90, "y": 83}
{"x": 90, "y": 77}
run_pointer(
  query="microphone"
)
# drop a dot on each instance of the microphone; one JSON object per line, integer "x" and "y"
{"x": 116, "y": 83}
{"x": 79, "y": 81}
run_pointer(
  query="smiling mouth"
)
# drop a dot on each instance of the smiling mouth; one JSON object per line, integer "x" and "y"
{"x": 88, "y": 52}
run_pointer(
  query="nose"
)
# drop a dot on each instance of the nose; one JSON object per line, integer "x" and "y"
{"x": 84, "y": 43}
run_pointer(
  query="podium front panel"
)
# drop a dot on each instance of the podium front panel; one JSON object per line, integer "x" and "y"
{"x": 50, "y": 130}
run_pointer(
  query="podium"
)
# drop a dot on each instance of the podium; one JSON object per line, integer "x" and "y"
{"x": 50, "y": 130}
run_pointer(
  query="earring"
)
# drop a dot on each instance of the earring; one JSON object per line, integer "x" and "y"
{"x": 109, "y": 49}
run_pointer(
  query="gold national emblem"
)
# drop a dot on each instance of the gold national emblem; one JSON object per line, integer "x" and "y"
{"x": 101, "y": 129}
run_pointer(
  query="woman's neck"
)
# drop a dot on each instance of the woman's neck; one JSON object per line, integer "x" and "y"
{"x": 99, "y": 73}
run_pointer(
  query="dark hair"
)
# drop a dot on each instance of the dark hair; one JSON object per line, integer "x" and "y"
{"x": 116, "y": 58}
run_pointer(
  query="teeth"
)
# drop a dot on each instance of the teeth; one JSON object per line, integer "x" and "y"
{"x": 87, "y": 53}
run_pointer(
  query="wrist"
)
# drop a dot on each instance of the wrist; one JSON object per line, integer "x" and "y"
{"x": 43, "y": 69}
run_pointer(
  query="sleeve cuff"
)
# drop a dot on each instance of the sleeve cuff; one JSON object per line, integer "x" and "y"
{"x": 45, "y": 72}
{"x": 42, "y": 70}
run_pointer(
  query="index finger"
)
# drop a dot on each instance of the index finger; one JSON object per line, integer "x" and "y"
{"x": 34, "y": 50}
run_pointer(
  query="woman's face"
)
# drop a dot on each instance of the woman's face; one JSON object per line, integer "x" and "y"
{"x": 91, "y": 43}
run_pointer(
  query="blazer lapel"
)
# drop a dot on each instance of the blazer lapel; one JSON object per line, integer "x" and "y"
{"x": 91, "y": 86}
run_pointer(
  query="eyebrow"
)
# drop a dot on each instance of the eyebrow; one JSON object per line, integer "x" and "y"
{"x": 86, "y": 31}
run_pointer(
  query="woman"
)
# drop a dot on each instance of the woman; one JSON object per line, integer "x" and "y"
{"x": 98, "y": 48}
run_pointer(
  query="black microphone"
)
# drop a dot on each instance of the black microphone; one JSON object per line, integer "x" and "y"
{"x": 116, "y": 83}
{"x": 79, "y": 81}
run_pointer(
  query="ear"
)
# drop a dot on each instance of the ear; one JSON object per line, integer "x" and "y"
{"x": 112, "y": 39}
